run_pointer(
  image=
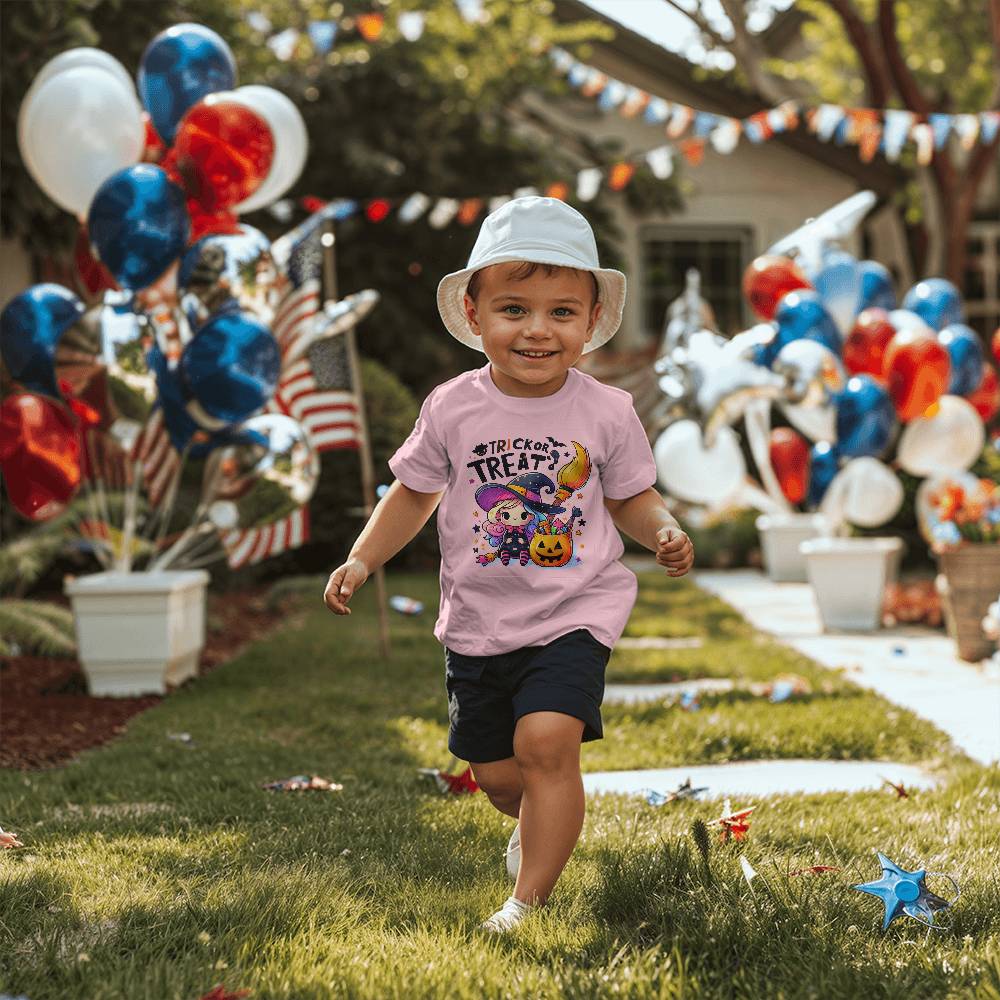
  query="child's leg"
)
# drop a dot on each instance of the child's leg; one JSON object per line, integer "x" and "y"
{"x": 547, "y": 752}
{"x": 501, "y": 781}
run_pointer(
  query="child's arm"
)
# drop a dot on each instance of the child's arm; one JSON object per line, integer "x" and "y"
{"x": 396, "y": 519}
{"x": 645, "y": 518}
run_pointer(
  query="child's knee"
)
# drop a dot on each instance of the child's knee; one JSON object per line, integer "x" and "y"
{"x": 550, "y": 752}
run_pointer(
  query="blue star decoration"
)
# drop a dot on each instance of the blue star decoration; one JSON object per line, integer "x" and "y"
{"x": 904, "y": 892}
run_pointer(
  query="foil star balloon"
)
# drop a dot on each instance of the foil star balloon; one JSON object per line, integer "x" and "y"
{"x": 733, "y": 824}
{"x": 899, "y": 789}
{"x": 451, "y": 784}
{"x": 905, "y": 892}
{"x": 682, "y": 791}
{"x": 303, "y": 783}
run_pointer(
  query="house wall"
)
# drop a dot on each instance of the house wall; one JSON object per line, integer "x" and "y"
{"x": 769, "y": 189}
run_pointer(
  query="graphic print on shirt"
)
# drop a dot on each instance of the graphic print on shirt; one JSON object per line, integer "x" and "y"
{"x": 521, "y": 522}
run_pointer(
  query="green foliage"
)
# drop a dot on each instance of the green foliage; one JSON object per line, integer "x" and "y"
{"x": 947, "y": 45}
{"x": 35, "y": 628}
{"x": 24, "y": 560}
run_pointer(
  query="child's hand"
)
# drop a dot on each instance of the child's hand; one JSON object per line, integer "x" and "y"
{"x": 343, "y": 582}
{"x": 674, "y": 550}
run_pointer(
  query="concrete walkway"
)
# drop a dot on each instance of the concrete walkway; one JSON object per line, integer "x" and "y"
{"x": 912, "y": 666}
{"x": 753, "y": 778}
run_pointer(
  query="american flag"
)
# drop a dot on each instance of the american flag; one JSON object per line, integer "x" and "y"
{"x": 316, "y": 390}
{"x": 158, "y": 457}
{"x": 244, "y": 548}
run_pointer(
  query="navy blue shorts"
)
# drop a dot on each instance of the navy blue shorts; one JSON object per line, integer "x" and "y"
{"x": 488, "y": 694}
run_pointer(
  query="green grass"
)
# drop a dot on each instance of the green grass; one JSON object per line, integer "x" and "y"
{"x": 170, "y": 870}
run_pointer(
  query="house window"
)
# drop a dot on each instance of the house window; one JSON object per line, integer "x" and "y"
{"x": 720, "y": 256}
{"x": 982, "y": 277}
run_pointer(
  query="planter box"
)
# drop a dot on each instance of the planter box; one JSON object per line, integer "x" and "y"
{"x": 780, "y": 535}
{"x": 848, "y": 577}
{"x": 969, "y": 583}
{"x": 138, "y": 632}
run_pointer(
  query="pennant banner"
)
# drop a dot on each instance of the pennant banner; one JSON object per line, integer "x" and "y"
{"x": 872, "y": 130}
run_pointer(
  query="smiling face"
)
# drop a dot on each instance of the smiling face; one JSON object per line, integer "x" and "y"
{"x": 533, "y": 326}
{"x": 551, "y": 550}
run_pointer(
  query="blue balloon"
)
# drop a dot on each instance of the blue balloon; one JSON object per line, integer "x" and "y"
{"x": 138, "y": 224}
{"x": 179, "y": 67}
{"x": 801, "y": 314}
{"x": 30, "y": 327}
{"x": 823, "y": 465}
{"x": 877, "y": 289}
{"x": 866, "y": 419}
{"x": 231, "y": 369}
{"x": 966, "y": 353}
{"x": 936, "y": 301}
{"x": 839, "y": 285}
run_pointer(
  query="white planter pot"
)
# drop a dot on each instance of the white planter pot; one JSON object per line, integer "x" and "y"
{"x": 138, "y": 632}
{"x": 780, "y": 535}
{"x": 848, "y": 577}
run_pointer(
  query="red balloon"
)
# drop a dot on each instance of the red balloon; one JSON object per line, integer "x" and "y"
{"x": 39, "y": 454}
{"x": 916, "y": 370}
{"x": 789, "y": 453}
{"x": 864, "y": 349}
{"x": 767, "y": 279}
{"x": 995, "y": 344}
{"x": 222, "y": 151}
{"x": 210, "y": 223}
{"x": 986, "y": 399}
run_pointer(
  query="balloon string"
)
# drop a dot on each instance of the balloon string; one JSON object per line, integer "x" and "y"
{"x": 165, "y": 510}
{"x": 757, "y": 420}
{"x": 98, "y": 478}
{"x": 201, "y": 553}
{"x": 176, "y": 551}
{"x": 99, "y": 551}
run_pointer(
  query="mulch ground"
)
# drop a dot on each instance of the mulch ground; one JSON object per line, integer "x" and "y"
{"x": 47, "y": 716}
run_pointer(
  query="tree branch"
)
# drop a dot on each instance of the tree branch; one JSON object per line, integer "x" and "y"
{"x": 751, "y": 55}
{"x": 701, "y": 23}
{"x": 904, "y": 80}
{"x": 995, "y": 21}
{"x": 878, "y": 80}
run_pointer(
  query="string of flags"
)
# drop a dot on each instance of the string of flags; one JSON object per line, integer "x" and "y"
{"x": 321, "y": 35}
{"x": 442, "y": 211}
{"x": 872, "y": 130}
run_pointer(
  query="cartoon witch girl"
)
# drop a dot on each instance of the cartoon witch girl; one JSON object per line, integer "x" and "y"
{"x": 512, "y": 513}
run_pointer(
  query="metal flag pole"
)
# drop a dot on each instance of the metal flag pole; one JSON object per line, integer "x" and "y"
{"x": 328, "y": 241}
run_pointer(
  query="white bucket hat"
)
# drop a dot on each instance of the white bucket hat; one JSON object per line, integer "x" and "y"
{"x": 543, "y": 231}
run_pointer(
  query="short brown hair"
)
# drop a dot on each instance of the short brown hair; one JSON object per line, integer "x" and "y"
{"x": 526, "y": 269}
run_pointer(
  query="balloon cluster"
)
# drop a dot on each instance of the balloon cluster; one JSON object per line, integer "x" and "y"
{"x": 861, "y": 380}
{"x": 193, "y": 308}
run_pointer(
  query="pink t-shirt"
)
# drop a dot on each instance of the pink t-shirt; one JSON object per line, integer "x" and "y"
{"x": 528, "y": 550}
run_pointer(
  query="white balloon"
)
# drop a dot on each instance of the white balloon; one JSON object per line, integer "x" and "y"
{"x": 79, "y": 127}
{"x": 950, "y": 441}
{"x": 291, "y": 142}
{"x": 70, "y": 59}
{"x": 865, "y": 492}
{"x": 812, "y": 369}
{"x": 818, "y": 423}
{"x": 904, "y": 319}
{"x": 692, "y": 472}
{"x": 83, "y": 56}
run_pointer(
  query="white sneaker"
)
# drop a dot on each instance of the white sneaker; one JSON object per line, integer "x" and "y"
{"x": 513, "y": 854}
{"x": 507, "y": 917}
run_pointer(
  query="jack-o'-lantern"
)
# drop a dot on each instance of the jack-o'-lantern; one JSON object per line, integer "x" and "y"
{"x": 551, "y": 550}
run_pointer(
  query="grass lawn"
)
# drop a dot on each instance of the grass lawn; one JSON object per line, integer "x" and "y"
{"x": 156, "y": 870}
